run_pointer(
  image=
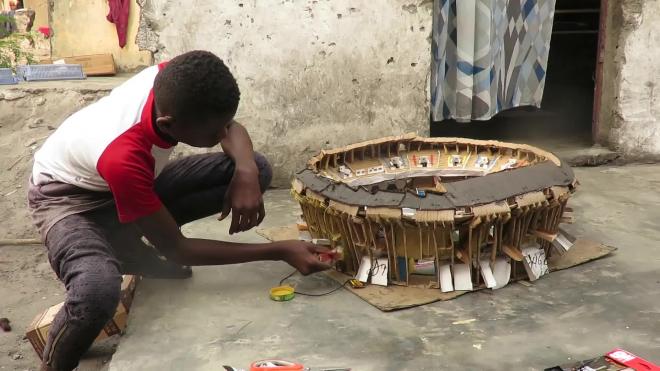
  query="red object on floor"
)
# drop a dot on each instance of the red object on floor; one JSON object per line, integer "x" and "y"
{"x": 630, "y": 360}
{"x": 119, "y": 10}
{"x": 276, "y": 365}
{"x": 45, "y": 30}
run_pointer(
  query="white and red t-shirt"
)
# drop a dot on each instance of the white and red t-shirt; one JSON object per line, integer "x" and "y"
{"x": 111, "y": 145}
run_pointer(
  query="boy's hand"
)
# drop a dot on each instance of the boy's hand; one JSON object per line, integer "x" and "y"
{"x": 244, "y": 200}
{"x": 304, "y": 256}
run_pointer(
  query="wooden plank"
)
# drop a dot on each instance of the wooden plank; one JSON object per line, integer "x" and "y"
{"x": 94, "y": 64}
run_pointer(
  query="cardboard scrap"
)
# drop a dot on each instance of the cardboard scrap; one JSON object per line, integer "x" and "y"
{"x": 362, "y": 274}
{"x": 37, "y": 331}
{"x": 462, "y": 277}
{"x": 394, "y": 297}
{"x": 501, "y": 272}
{"x": 446, "y": 284}
{"x": 487, "y": 273}
{"x": 582, "y": 251}
{"x": 379, "y": 271}
{"x": 564, "y": 241}
{"x": 535, "y": 262}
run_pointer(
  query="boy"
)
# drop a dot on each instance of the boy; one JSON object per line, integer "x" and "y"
{"x": 102, "y": 181}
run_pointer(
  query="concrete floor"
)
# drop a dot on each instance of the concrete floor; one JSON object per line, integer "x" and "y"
{"x": 223, "y": 314}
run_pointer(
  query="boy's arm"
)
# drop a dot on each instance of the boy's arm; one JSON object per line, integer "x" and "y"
{"x": 243, "y": 196}
{"x": 162, "y": 231}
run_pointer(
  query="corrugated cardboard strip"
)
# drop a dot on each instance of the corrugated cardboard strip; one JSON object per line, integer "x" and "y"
{"x": 491, "y": 209}
{"x": 37, "y": 332}
{"x": 559, "y": 193}
{"x": 348, "y": 209}
{"x": 434, "y": 215}
{"x": 532, "y": 198}
{"x": 384, "y": 212}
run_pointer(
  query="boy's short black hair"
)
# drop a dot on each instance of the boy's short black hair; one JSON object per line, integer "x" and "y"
{"x": 195, "y": 85}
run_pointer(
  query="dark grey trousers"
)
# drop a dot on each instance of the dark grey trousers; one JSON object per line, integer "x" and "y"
{"x": 90, "y": 251}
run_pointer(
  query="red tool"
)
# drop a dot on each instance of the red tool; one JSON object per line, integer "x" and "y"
{"x": 276, "y": 365}
{"x": 330, "y": 256}
{"x": 630, "y": 360}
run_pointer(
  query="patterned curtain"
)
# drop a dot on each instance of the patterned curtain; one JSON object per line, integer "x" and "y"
{"x": 488, "y": 56}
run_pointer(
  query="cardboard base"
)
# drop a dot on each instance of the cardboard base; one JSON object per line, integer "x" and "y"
{"x": 583, "y": 251}
{"x": 395, "y": 297}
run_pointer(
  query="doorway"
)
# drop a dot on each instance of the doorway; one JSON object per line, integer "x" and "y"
{"x": 565, "y": 117}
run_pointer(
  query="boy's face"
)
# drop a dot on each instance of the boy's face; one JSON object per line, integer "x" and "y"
{"x": 205, "y": 132}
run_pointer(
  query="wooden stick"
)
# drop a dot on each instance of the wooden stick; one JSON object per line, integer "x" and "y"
{"x": 428, "y": 240}
{"x": 437, "y": 258}
{"x": 352, "y": 241}
{"x": 20, "y": 241}
{"x": 450, "y": 232}
{"x": 469, "y": 246}
{"x": 496, "y": 238}
{"x": 17, "y": 161}
{"x": 405, "y": 251}
{"x": 500, "y": 241}
{"x": 396, "y": 262}
{"x": 421, "y": 243}
{"x": 387, "y": 246}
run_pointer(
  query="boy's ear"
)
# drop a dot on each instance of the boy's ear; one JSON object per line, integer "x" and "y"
{"x": 165, "y": 122}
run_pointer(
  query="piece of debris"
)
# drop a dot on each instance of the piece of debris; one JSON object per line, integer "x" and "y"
{"x": 476, "y": 346}
{"x": 464, "y": 322}
{"x": 4, "y": 324}
{"x": 17, "y": 356}
{"x": 37, "y": 123}
{"x": 525, "y": 283}
{"x": 17, "y": 161}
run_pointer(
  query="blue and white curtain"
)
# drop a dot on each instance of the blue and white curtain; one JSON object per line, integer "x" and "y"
{"x": 488, "y": 56}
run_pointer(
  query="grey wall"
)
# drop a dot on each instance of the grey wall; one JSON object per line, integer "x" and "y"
{"x": 313, "y": 74}
{"x": 630, "y": 113}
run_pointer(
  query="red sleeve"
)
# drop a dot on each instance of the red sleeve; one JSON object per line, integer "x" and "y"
{"x": 128, "y": 167}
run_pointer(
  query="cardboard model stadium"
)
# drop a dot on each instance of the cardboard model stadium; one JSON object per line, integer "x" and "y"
{"x": 448, "y": 213}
